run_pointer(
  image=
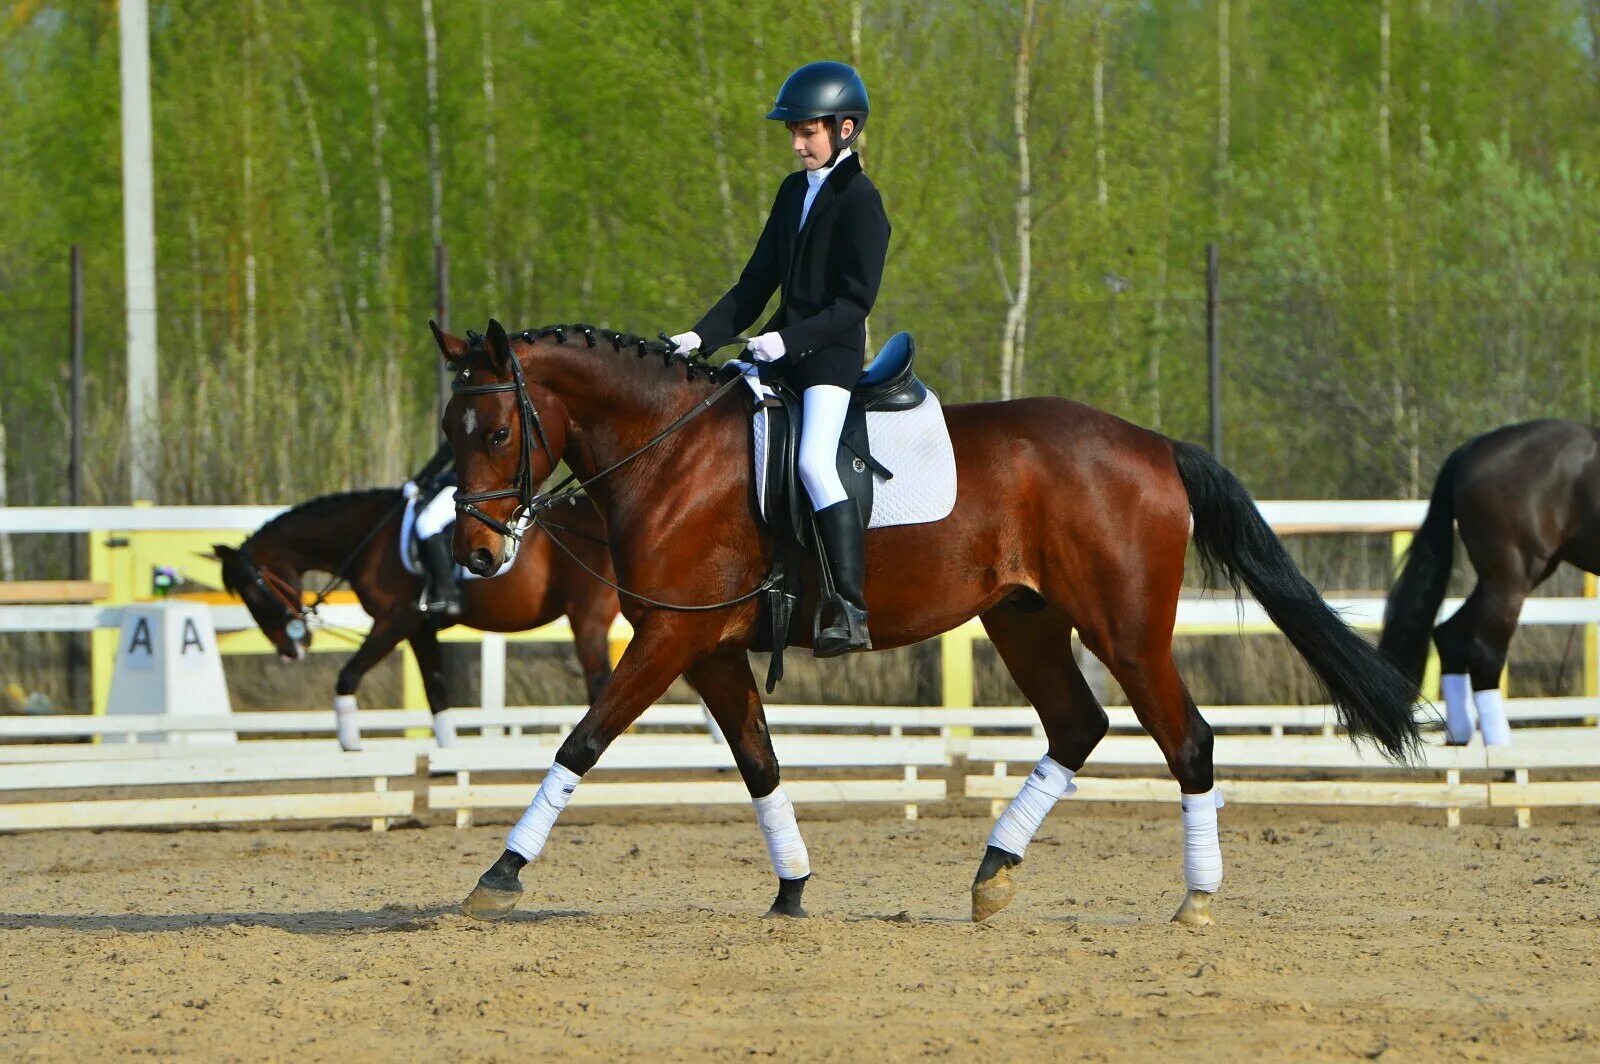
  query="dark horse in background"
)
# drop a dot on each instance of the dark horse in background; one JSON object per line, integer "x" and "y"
{"x": 1525, "y": 498}
{"x": 355, "y": 536}
{"x": 1066, "y": 517}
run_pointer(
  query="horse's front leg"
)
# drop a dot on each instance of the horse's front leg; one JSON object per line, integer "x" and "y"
{"x": 723, "y": 679}
{"x": 384, "y": 637}
{"x": 661, "y": 649}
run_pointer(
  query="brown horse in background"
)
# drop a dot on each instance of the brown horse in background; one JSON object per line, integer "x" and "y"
{"x": 355, "y": 536}
{"x": 1066, "y": 517}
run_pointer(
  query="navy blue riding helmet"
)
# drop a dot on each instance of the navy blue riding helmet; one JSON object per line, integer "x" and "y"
{"x": 823, "y": 90}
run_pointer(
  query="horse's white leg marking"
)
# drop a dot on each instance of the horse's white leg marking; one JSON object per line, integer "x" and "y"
{"x": 775, "y": 815}
{"x": 528, "y": 837}
{"x": 1202, "y": 856}
{"x": 344, "y": 718}
{"x": 1457, "y": 688}
{"x": 1047, "y": 784}
{"x": 1492, "y": 718}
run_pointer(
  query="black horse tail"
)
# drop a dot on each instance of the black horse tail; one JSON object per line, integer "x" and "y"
{"x": 1373, "y": 698}
{"x": 1414, "y": 600}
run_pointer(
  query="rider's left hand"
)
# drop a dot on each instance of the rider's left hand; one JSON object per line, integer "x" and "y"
{"x": 768, "y": 347}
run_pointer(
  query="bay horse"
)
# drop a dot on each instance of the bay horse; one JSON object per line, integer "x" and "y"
{"x": 355, "y": 537}
{"x": 1525, "y": 498}
{"x": 1066, "y": 517}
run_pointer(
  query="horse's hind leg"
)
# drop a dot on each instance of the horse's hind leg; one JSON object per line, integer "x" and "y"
{"x": 1141, "y": 660}
{"x": 1473, "y": 645}
{"x": 725, "y": 682}
{"x": 1036, "y": 646}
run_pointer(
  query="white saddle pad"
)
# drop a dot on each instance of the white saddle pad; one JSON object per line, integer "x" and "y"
{"x": 912, "y": 444}
{"x": 408, "y": 538}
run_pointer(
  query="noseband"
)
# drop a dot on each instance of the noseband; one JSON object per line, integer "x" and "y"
{"x": 284, "y": 596}
{"x": 522, "y": 488}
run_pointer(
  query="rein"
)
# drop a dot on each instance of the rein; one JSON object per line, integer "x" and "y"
{"x": 531, "y": 504}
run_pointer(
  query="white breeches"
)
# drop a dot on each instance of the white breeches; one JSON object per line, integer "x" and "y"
{"x": 438, "y": 515}
{"x": 821, "y": 422}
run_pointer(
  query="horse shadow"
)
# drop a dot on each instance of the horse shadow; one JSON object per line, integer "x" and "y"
{"x": 389, "y": 919}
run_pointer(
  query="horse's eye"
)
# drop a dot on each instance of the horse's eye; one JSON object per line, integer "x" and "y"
{"x": 501, "y": 435}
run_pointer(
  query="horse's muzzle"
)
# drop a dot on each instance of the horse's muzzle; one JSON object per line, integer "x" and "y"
{"x": 481, "y": 562}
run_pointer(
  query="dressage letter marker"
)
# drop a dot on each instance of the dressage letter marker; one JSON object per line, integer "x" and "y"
{"x": 167, "y": 662}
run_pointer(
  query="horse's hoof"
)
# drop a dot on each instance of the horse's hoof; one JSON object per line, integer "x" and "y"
{"x": 489, "y": 903}
{"x": 787, "y": 904}
{"x": 991, "y": 895}
{"x": 1195, "y": 910}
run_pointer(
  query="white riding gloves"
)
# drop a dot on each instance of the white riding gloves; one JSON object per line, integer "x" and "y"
{"x": 768, "y": 347}
{"x": 686, "y": 342}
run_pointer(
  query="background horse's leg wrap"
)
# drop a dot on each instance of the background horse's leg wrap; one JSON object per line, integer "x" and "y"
{"x": 824, "y": 407}
{"x": 1492, "y": 718}
{"x": 444, "y": 727}
{"x": 775, "y": 814}
{"x": 1046, "y": 785}
{"x": 1457, "y": 690}
{"x": 529, "y": 836}
{"x": 1202, "y": 854}
{"x": 346, "y": 725}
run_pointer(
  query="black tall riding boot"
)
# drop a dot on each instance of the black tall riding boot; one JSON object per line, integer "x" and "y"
{"x": 442, "y": 597}
{"x": 844, "y": 545}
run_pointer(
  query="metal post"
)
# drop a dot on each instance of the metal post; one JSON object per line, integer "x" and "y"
{"x": 77, "y": 650}
{"x": 1214, "y": 351}
{"x": 139, "y": 248}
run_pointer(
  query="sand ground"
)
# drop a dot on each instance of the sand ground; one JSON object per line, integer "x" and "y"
{"x": 1341, "y": 936}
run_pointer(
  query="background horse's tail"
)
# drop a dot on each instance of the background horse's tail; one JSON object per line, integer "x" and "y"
{"x": 1414, "y": 600}
{"x": 1374, "y": 699}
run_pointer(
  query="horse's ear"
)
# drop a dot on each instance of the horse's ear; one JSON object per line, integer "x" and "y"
{"x": 451, "y": 347}
{"x": 499, "y": 342}
{"x": 223, "y": 552}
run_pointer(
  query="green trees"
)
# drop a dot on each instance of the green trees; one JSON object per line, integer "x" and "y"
{"x": 1407, "y": 231}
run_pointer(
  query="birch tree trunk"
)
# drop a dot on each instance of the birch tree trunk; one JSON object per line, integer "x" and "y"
{"x": 1102, "y": 193}
{"x": 325, "y": 187}
{"x": 491, "y": 181}
{"x": 385, "y": 198}
{"x": 719, "y": 154}
{"x": 1013, "y": 339}
{"x": 435, "y": 170}
{"x": 1390, "y": 262}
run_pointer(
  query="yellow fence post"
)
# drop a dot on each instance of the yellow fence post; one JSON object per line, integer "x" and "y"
{"x": 955, "y": 666}
{"x": 1591, "y": 643}
{"x": 1399, "y": 543}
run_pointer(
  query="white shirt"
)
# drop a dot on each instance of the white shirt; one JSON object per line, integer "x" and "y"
{"x": 814, "y": 180}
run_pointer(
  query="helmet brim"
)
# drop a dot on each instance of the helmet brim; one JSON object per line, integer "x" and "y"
{"x": 781, "y": 113}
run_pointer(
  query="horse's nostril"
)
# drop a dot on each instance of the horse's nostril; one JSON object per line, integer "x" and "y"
{"x": 481, "y": 562}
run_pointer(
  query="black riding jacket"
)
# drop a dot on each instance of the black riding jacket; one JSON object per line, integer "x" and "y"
{"x": 828, "y": 272}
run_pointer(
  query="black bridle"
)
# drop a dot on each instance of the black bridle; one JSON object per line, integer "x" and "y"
{"x": 522, "y": 488}
{"x": 531, "y": 504}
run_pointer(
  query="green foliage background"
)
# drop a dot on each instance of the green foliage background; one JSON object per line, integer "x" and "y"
{"x": 1379, "y": 305}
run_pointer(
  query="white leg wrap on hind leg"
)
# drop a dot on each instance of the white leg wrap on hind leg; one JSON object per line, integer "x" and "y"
{"x": 1492, "y": 717}
{"x": 529, "y": 836}
{"x": 775, "y": 814}
{"x": 1457, "y": 691}
{"x": 444, "y": 728}
{"x": 1202, "y": 853}
{"x": 1047, "y": 784}
{"x": 345, "y": 723}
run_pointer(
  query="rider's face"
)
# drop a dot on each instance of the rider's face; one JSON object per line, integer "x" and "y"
{"x": 812, "y": 141}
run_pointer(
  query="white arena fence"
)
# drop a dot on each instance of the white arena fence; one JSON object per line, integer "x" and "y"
{"x": 72, "y": 771}
{"x": 1282, "y": 755}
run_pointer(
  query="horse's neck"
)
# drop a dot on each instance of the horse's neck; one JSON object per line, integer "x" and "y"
{"x": 300, "y": 542}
